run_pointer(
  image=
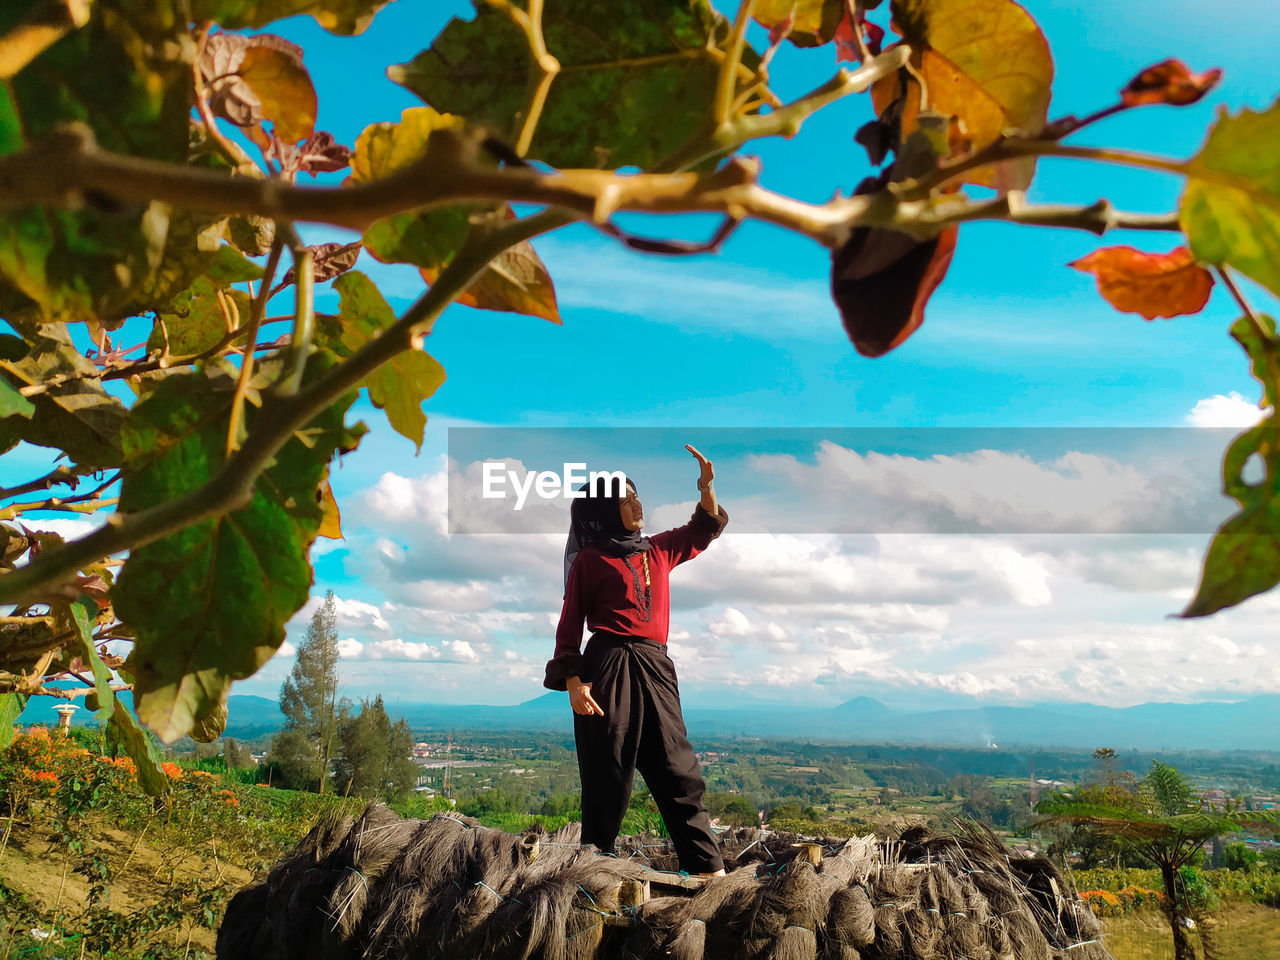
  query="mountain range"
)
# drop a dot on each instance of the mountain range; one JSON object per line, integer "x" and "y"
{"x": 1252, "y": 724}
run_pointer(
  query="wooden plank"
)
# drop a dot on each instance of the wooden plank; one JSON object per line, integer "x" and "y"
{"x": 660, "y": 878}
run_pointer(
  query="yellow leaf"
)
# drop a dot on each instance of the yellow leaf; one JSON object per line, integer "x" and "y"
{"x": 984, "y": 62}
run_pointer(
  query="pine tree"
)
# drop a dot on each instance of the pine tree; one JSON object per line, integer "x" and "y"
{"x": 303, "y": 750}
{"x": 374, "y": 755}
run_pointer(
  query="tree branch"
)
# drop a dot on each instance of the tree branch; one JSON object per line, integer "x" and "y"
{"x": 41, "y": 28}
{"x": 232, "y": 487}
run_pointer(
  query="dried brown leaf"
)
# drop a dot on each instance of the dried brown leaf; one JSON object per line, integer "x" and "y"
{"x": 1149, "y": 284}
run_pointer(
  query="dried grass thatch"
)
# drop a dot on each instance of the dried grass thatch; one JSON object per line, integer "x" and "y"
{"x": 383, "y": 888}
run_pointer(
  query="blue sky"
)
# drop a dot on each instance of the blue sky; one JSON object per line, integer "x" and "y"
{"x": 748, "y": 338}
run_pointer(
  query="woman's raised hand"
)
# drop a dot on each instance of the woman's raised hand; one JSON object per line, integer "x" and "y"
{"x": 708, "y": 472}
{"x": 581, "y": 700}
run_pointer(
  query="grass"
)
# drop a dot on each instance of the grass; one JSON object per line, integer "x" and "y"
{"x": 1245, "y": 931}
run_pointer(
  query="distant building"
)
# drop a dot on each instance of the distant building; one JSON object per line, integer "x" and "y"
{"x": 1214, "y": 800}
{"x": 1264, "y": 803}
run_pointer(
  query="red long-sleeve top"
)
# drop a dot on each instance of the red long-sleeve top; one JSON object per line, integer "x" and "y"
{"x": 610, "y": 593}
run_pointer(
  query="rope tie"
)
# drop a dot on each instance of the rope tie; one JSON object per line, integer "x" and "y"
{"x": 588, "y": 929}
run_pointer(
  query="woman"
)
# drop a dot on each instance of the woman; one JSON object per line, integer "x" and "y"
{"x": 622, "y": 688}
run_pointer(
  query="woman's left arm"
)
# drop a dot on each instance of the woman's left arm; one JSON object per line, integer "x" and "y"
{"x": 708, "y": 502}
{"x": 708, "y": 520}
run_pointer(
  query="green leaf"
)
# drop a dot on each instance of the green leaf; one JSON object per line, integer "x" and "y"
{"x": 12, "y": 403}
{"x": 210, "y": 724}
{"x": 194, "y": 321}
{"x": 228, "y": 265}
{"x": 11, "y": 707}
{"x": 123, "y": 75}
{"x": 347, "y": 17}
{"x": 424, "y": 239}
{"x": 636, "y": 80}
{"x": 77, "y": 416}
{"x": 813, "y": 22}
{"x": 83, "y": 612}
{"x": 209, "y": 603}
{"x": 124, "y": 731}
{"x": 399, "y": 387}
{"x": 515, "y": 281}
{"x": 1243, "y": 558}
{"x": 1231, "y": 208}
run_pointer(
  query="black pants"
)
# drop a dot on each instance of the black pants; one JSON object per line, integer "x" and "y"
{"x": 634, "y": 681}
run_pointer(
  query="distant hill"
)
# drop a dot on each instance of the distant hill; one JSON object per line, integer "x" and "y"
{"x": 1252, "y": 724}
{"x": 247, "y": 716}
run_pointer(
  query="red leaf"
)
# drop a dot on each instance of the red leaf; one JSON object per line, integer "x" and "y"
{"x": 847, "y": 38}
{"x": 881, "y": 280}
{"x": 328, "y": 260}
{"x": 1149, "y": 284}
{"x": 319, "y": 153}
{"x": 780, "y": 30}
{"x": 1169, "y": 82}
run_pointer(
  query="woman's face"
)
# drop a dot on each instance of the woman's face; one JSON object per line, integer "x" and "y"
{"x": 631, "y": 510}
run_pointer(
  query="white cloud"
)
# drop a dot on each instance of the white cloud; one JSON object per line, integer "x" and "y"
{"x": 819, "y": 618}
{"x": 287, "y": 649}
{"x": 350, "y": 648}
{"x": 1231, "y": 410}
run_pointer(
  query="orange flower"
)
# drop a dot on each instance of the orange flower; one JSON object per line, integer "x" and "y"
{"x": 172, "y": 771}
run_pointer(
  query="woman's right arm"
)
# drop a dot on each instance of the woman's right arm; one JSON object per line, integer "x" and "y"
{"x": 564, "y": 669}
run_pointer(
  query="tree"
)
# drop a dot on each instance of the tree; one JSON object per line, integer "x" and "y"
{"x": 237, "y": 755}
{"x": 375, "y": 755}
{"x": 216, "y": 459}
{"x": 1163, "y": 822}
{"x": 308, "y": 699}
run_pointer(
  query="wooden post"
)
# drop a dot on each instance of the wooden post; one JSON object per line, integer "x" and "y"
{"x": 812, "y": 852}
{"x": 632, "y": 893}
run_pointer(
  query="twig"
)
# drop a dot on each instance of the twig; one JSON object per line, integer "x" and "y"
{"x": 853, "y": 8}
{"x": 235, "y": 156}
{"x": 135, "y": 367}
{"x": 1267, "y": 337}
{"x": 305, "y": 314}
{"x": 1015, "y": 147}
{"x": 256, "y": 311}
{"x": 74, "y": 692}
{"x": 58, "y": 475}
{"x": 543, "y": 68}
{"x": 729, "y": 66}
{"x": 73, "y": 505}
{"x": 40, "y": 29}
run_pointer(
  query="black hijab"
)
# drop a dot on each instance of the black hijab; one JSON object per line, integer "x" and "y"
{"x": 595, "y": 521}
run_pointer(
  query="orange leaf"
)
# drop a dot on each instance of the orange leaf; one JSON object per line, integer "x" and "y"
{"x": 331, "y": 518}
{"x": 1149, "y": 284}
{"x": 1169, "y": 82}
{"x": 284, "y": 90}
{"x": 516, "y": 281}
